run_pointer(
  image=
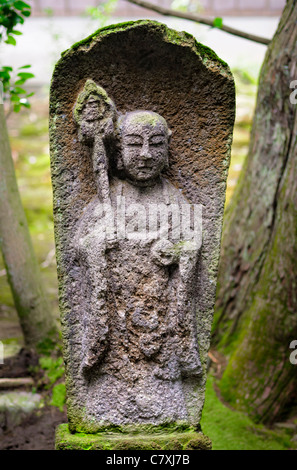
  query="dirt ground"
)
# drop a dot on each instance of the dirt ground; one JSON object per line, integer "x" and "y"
{"x": 37, "y": 431}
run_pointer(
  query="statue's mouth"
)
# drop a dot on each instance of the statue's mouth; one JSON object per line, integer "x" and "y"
{"x": 145, "y": 168}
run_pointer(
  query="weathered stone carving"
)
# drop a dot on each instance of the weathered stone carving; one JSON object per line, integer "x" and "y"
{"x": 138, "y": 215}
{"x": 138, "y": 317}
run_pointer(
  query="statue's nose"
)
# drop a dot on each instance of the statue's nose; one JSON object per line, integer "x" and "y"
{"x": 145, "y": 152}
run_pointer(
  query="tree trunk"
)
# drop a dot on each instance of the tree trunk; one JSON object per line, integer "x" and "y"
{"x": 257, "y": 296}
{"x": 21, "y": 265}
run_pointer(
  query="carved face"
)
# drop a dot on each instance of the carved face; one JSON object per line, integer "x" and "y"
{"x": 92, "y": 110}
{"x": 144, "y": 145}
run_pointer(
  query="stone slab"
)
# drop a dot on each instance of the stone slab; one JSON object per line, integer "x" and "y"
{"x": 137, "y": 317}
{"x": 132, "y": 440}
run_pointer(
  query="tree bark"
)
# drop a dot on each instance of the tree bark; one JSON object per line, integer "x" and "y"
{"x": 257, "y": 297}
{"x": 21, "y": 265}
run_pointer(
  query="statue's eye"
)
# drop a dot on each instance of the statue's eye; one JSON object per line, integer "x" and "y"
{"x": 157, "y": 141}
{"x": 133, "y": 142}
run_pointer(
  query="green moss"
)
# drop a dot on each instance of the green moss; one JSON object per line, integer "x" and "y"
{"x": 103, "y": 31}
{"x": 180, "y": 38}
{"x": 233, "y": 430}
{"x": 130, "y": 440}
{"x": 94, "y": 91}
{"x": 59, "y": 396}
{"x": 90, "y": 428}
{"x": 146, "y": 117}
{"x": 127, "y": 444}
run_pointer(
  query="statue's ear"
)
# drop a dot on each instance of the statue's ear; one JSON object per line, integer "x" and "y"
{"x": 166, "y": 166}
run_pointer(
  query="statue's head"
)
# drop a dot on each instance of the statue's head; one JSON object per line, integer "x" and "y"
{"x": 144, "y": 146}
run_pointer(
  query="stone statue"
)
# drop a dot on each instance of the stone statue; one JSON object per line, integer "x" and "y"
{"x": 141, "y": 121}
{"x": 138, "y": 317}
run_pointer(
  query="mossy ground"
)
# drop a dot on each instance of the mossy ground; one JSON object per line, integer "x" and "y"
{"x": 233, "y": 430}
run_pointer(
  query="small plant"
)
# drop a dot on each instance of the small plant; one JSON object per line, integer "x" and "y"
{"x": 53, "y": 370}
{"x": 13, "y": 93}
{"x": 50, "y": 374}
{"x": 59, "y": 396}
{"x": 12, "y": 13}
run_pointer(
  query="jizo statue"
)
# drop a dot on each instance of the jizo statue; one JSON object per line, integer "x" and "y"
{"x": 141, "y": 130}
{"x": 137, "y": 254}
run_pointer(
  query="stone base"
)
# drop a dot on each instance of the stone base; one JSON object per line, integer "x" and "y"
{"x": 137, "y": 439}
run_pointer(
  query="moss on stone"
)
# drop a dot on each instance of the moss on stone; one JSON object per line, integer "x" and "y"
{"x": 102, "y": 31}
{"x": 157, "y": 439}
{"x": 181, "y": 38}
{"x": 196, "y": 443}
{"x": 88, "y": 427}
{"x": 145, "y": 117}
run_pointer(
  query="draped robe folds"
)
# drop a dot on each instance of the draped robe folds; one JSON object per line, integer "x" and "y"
{"x": 139, "y": 339}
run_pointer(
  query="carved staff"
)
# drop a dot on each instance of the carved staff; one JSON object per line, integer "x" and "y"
{"x": 95, "y": 115}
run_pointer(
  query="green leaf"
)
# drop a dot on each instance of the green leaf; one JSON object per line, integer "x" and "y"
{"x": 24, "y": 67}
{"x": 15, "y": 98}
{"x": 218, "y": 22}
{"x": 4, "y": 75}
{"x": 10, "y": 40}
{"x": 18, "y": 91}
{"x": 25, "y": 103}
{"x": 25, "y": 75}
{"x": 19, "y": 5}
{"x": 14, "y": 31}
{"x": 20, "y": 82}
{"x": 17, "y": 108}
{"x": 20, "y": 20}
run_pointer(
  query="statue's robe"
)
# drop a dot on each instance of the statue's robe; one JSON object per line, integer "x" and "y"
{"x": 138, "y": 326}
